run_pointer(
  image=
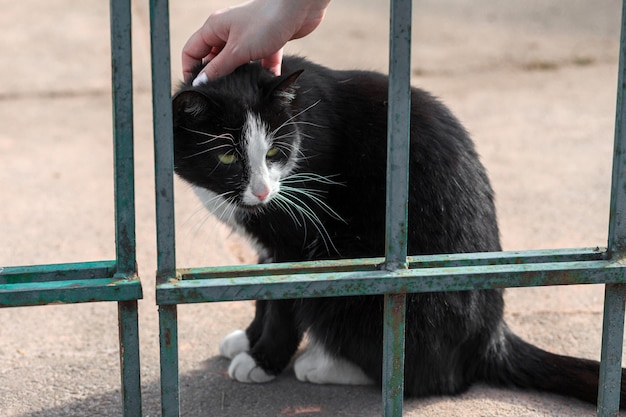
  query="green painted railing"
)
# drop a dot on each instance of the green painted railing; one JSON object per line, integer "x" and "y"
{"x": 114, "y": 280}
{"x": 402, "y": 275}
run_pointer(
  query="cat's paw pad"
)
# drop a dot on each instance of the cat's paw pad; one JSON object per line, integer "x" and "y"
{"x": 244, "y": 369}
{"x": 234, "y": 343}
{"x": 316, "y": 366}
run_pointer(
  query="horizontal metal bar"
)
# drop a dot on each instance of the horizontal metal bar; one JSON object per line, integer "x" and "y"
{"x": 69, "y": 291}
{"x": 331, "y": 284}
{"x": 372, "y": 264}
{"x": 310, "y": 267}
{"x": 596, "y": 253}
{"x": 56, "y": 272}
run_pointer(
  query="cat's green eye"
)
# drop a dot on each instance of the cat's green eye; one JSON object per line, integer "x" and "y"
{"x": 272, "y": 152}
{"x": 227, "y": 158}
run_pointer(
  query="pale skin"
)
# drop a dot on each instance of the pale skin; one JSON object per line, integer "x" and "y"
{"x": 253, "y": 31}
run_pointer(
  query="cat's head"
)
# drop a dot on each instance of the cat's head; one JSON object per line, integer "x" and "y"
{"x": 235, "y": 137}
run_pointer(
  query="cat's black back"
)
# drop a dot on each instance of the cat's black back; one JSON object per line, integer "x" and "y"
{"x": 334, "y": 124}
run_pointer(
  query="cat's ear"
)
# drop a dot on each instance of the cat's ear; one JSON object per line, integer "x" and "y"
{"x": 188, "y": 104}
{"x": 286, "y": 87}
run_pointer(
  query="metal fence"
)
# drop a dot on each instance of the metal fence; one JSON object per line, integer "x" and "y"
{"x": 109, "y": 280}
{"x": 402, "y": 274}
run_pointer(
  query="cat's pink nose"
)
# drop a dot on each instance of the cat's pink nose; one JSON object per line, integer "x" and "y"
{"x": 262, "y": 193}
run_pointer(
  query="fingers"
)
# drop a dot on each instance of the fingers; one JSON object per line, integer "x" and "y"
{"x": 221, "y": 64}
{"x": 206, "y": 43}
{"x": 273, "y": 62}
{"x": 226, "y": 62}
{"x": 194, "y": 51}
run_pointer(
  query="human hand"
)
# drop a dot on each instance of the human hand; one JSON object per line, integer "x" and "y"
{"x": 256, "y": 30}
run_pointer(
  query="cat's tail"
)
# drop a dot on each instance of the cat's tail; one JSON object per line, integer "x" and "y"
{"x": 513, "y": 362}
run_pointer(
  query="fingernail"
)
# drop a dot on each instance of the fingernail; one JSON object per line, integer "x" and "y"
{"x": 200, "y": 79}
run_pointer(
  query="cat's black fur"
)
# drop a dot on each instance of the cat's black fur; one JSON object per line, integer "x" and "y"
{"x": 453, "y": 339}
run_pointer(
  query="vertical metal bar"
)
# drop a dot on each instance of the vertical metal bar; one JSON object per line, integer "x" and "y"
{"x": 398, "y": 132}
{"x": 615, "y": 295}
{"x": 164, "y": 186}
{"x": 162, "y": 123}
{"x": 398, "y": 136}
{"x": 611, "y": 356}
{"x": 125, "y": 242}
{"x": 393, "y": 357}
{"x": 617, "y": 218}
{"x": 122, "y": 84}
{"x": 129, "y": 357}
{"x": 168, "y": 331}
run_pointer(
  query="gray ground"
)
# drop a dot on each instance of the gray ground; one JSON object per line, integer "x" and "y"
{"x": 533, "y": 81}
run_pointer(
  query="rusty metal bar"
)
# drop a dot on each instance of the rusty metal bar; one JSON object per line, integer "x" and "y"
{"x": 414, "y": 262}
{"x": 615, "y": 294}
{"x": 73, "y": 291}
{"x": 398, "y": 140}
{"x": 611, "y": 355}
{"x": 394, "y": 325}
{"x": 398, "y": 133}
{"x": 168, "y": 340}
{"x": 128, "y": 325}
{"x": 366, "y": 281}
{"x": 617, "y": 214}
{"x": 56, "y": 272}
{"x": 164, "y": 188}
{"x": 124, "y": 173}
{"x": 122, "y": 91}
{"x": 163, "y": 141}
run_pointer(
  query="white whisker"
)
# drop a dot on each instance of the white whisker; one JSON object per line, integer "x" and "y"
{"x": 208, "y": 150}
{"x": 310, "y": 176}
{"x": 290, "y": 121}
{"x": 315, "y": 198}
{"x": 288, "y": 209}
{"x": 212, "y": 137}
{"x": 310, "y": 214}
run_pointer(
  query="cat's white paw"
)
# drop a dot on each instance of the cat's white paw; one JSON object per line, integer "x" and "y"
{"x": 244, "y": 369}
{"x": 317, "y": 366}
{"x": 234, "y": 343}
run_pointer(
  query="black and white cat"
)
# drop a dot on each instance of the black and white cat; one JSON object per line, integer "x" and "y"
{"x": 297, "y": 164}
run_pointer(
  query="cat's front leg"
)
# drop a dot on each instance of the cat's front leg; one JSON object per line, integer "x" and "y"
{"x": 239, "y": 341}
{"x": 243, "y": 367}
{"x": 277, "y": 341}
{"x": 234, "y": 343}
